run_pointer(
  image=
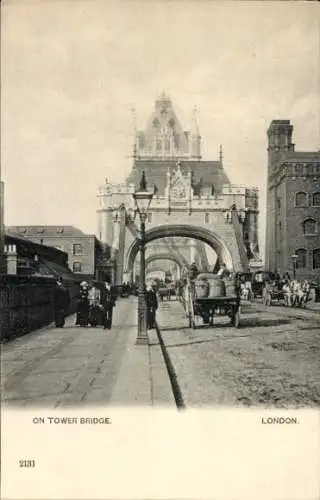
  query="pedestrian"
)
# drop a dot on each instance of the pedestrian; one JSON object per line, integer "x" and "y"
{"x": 152, "y": 306}
{"x": 83, "y": 305}
{"x": 108, "y": 301}
{"x": 61, "y": 303}
{"x": 94, "y": 297}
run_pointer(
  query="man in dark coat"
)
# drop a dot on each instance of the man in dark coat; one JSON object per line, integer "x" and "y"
{"x": 152, "y": 306}
{"x": 61, "y": 303}
{"x": 108, "y": 301}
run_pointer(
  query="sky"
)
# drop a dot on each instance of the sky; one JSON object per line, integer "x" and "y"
{"x": 72, "y": 71}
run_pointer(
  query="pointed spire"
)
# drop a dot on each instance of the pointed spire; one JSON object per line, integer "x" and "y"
{"x": 220, "y": 154}
{"x": 134, "y": 127}
{"x": 195, "y": 124}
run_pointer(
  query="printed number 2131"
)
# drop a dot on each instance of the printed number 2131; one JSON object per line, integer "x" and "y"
{"x": 27, "y": 463}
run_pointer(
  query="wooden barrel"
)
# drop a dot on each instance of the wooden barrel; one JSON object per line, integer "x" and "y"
{"x": 231, "y": 289}
{"x": 201, "y": 288}
{"x": 217, "y": 287}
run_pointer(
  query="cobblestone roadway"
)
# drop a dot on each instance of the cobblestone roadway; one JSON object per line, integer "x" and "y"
{"x": 272, "y": 360}
{"x": 61, "y": 366}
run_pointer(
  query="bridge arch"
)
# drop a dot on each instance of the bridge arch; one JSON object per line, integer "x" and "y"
{"x": 163, "y": 256}
{"x": 183, "y": 230}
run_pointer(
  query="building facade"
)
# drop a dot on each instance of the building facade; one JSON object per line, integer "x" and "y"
{"x": 293, "y": 205}
{"x": 86, "y": 255}
{"x": 191, "y": 195}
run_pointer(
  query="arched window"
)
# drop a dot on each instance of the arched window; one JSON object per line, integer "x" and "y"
{"x": 316, "y": 258}
{"x": 167, "y": 145}
{"x": 159, "y": 145}
{"x": 302, "y": 258}
{"x": 301, "y": 199}
{"x": 309, "y": 226}
{"x": 316, "y": 200}
{"x": 77, "y": 267}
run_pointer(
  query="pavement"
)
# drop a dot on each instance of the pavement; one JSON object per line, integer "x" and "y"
{"x": 75, "y": 366}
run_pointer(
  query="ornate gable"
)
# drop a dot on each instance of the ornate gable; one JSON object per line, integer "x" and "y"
{"x": 178, "y": 185}
{"x": 164, "y": 136}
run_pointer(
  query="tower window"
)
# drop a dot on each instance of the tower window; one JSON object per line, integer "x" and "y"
{"x": 167, "y": 145}
{"x": 301, "y": 262}
{"x": 309, "y": 226}
{"x": 159, "y": 145}
{"x": 301, "y": 199}
{"x": 316, "y": 258}
{"x": 316, "y": 200}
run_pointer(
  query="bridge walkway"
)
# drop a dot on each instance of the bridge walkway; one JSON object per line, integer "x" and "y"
{"x": 75, "y": 366}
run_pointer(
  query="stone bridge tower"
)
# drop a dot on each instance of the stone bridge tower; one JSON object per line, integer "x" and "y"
{"x": 194, "y": 202}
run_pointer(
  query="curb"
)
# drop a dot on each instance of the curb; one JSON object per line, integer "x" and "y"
{"x": 177, "y": 393}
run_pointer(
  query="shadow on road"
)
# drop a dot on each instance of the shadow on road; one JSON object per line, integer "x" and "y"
{"x": 244, "y": 323}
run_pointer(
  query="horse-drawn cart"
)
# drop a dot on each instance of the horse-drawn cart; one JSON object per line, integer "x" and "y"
{"x": 206, "y": 307}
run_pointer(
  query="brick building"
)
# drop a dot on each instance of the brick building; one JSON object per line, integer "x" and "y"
{"x": 87, "y": 256}
{"x": 293, "y": 205}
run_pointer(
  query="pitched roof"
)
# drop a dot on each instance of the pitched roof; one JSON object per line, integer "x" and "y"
{"x": 47, "y": 231}
{"x": 207, "y": 173}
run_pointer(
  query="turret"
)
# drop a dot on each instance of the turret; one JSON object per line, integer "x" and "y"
{"x": 194, "y": 136}
{"x": 279, "y": 139}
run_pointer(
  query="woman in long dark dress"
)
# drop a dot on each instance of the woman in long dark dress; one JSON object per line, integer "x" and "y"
{"x": 83, "y": 305}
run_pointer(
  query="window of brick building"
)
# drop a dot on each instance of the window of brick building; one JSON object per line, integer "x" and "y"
{"x": 301, "y": 199}
{"x": 302, "y": 258}
{"x": 316, "y": 258}
{"x": 77, "y": 249}
{"x": 316, "y": 200}
{"x": 77, "y": 267}
{"x": 309, "y": 226}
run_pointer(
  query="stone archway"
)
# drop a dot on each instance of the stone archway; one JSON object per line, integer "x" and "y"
{"x": 163, "y": 256}
{"x": 184, "y": 230}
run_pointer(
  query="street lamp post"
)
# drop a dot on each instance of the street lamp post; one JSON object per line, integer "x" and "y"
{"x": 142, "y": 199}
{"x": 294, "y": 258}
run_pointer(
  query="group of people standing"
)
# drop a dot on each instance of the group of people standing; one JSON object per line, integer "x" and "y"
{"x": 95, "y": 306}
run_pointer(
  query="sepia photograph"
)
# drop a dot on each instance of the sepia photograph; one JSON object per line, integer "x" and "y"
{"x": 160, "y": 217}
